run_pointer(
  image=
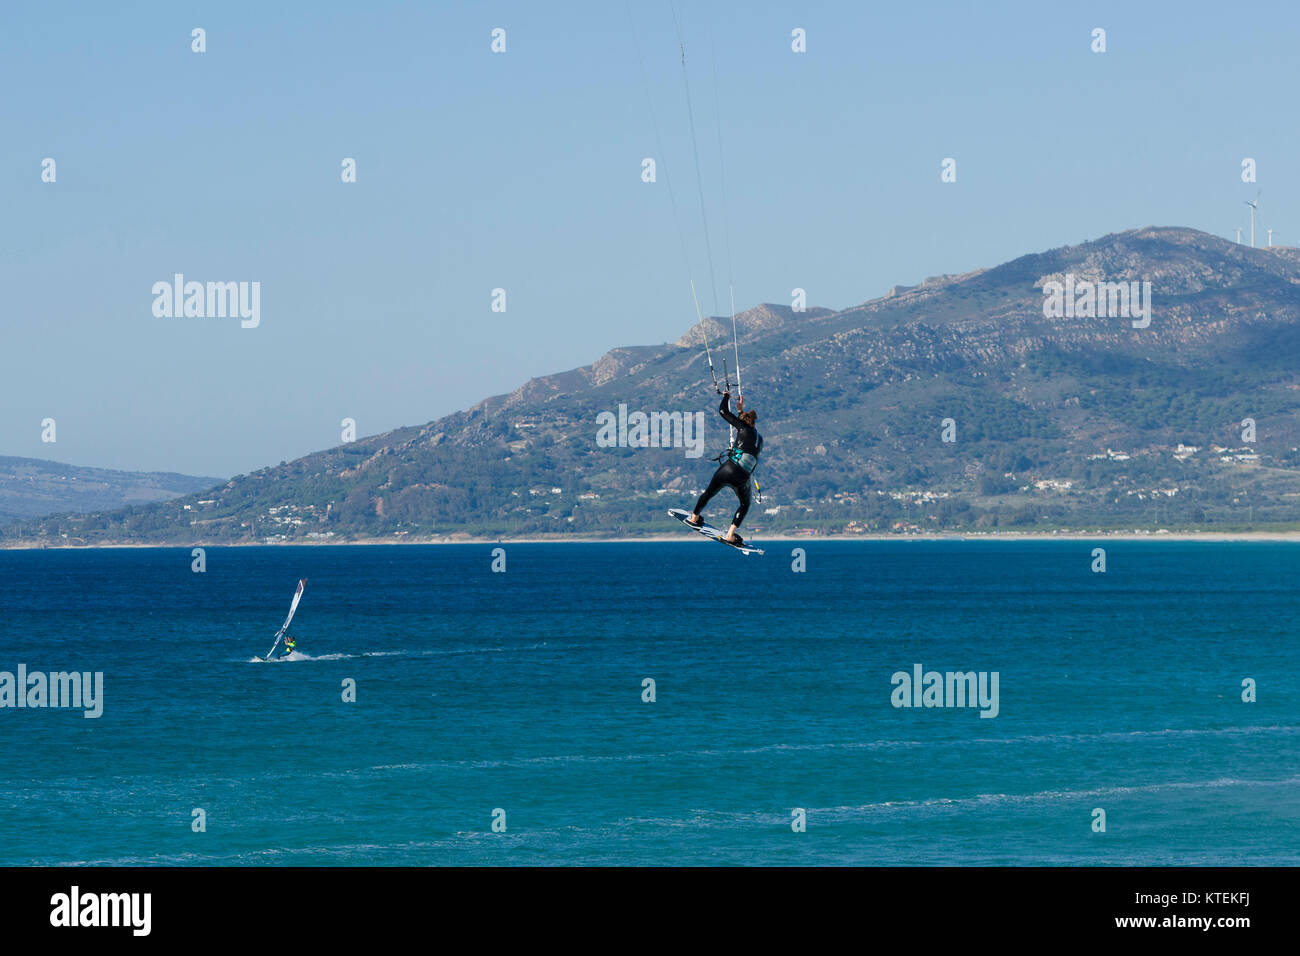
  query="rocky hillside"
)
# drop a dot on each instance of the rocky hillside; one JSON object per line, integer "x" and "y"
{"x": 1056, "y": 420}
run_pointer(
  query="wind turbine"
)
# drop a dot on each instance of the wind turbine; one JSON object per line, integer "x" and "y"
{"x": 1270, "y": 238}
{"x": 1253, "y": 207}
{"x": 1239, "y": 235}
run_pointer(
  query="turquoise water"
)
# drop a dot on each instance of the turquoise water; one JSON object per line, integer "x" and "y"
{"x": 523, "y": 691}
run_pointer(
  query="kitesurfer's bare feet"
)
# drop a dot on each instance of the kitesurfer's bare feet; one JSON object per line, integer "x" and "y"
{"x": 695, "y": 520}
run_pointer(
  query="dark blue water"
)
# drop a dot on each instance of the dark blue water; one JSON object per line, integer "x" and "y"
{"x": 523, "y": 691}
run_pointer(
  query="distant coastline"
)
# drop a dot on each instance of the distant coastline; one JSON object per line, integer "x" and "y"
{"x": 964, "y": 406}
{"x": 1215, "y": 536}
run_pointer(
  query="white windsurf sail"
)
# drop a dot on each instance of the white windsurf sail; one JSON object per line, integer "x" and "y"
{"x": 293, "y": 609}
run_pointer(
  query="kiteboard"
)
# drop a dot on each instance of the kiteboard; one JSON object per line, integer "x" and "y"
{"x": 711, "y": 532}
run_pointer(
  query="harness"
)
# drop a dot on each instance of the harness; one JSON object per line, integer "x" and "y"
{"x": 746, "y": 461}
{"x": 742, "y": 458}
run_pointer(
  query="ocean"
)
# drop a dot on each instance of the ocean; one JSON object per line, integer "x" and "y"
{"x": 518, "y": 699}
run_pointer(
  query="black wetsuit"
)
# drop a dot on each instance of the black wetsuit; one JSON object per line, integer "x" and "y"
{"x": 732, "y": 473}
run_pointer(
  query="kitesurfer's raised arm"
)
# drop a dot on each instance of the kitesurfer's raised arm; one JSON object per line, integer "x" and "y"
{"x": 725, "y": 411}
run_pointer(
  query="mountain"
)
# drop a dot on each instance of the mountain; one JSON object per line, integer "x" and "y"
{"x": 1057, "y": 419}
{"x": 31, "y": 488}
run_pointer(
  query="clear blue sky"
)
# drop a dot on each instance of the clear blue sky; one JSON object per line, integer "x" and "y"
{"x": 522, "y": 171}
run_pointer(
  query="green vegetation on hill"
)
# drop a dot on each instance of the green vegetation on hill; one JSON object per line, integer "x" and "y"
{"x": 1073, "y": 423}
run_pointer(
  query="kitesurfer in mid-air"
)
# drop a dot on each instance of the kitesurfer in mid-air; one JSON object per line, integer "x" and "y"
{"x": 737, "y": 468}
